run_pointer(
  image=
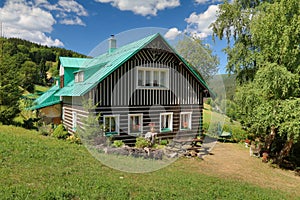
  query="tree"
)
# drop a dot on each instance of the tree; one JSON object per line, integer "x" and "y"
{"x": 263, "y": 50}
{"x": 28, "y": 75}
{"x": 9, "y": 90}
{"x": 275, "y": 30}
{"x": 198, "y": 55}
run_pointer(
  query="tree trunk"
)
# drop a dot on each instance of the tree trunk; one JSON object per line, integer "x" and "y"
{"x": 270, "y": 138}
{"x": 285, "y": 151}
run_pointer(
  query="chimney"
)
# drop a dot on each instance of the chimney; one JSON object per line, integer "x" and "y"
{"x": 112, "y": 42}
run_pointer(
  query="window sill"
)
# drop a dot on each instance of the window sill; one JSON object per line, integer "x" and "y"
{"x": 152, "y": 88}
{"x": 165, "y": 130}
{"x": 111, "y": 133}
{"x": 135, "y": 133}
{"x": 185, "y": 129}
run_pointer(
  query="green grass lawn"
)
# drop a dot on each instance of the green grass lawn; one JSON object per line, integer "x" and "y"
{"x": 38, "y": 167}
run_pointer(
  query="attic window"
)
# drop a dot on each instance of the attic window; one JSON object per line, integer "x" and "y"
{"x": 79, "y": 77}
{"x": 153, "y": 77}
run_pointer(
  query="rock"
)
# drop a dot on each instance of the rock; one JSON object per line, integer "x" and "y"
{"x": 158, "y": 154}
{"x": 173, "y": 155}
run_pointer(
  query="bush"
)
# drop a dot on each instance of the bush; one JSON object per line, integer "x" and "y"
{"x": 141, "y": 142}
{"x": 60, "y": 132}
{"x": 74, "y": 139}
{"x": 163, "y": 142}
{"x": 208, "y": 101}
{"x": 45, "y": 130}
{"x": 118, "y": 143}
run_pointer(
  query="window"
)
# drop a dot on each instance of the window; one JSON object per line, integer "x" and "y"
{"x": 166, "y": 122}
{"x": 153, "y": 77}
{"x": 74, "y": 121}
{"x": 185, "y": 121}
{"x": 111, "y": 125}
{"x": 79, "y": 76}
{"x": 135, "y": 125}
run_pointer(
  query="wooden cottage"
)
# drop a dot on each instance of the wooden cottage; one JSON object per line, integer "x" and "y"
{"x": 136, "y": 87}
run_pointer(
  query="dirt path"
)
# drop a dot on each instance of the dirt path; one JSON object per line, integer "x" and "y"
{"x": 233, "y": 161}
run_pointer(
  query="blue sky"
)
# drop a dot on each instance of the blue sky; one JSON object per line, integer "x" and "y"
{"x": 80, "y": 25}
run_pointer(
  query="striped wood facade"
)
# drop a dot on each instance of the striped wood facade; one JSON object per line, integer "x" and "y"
{"x": 118, "y": 93}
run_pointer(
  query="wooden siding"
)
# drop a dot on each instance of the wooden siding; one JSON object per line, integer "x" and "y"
{"x": 67, "y": 115}
{"x": 151, "y": 114}
{"x": 120, "y": 87}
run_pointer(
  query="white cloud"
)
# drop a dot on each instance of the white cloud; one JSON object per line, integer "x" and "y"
{"x": 144, "y": 8}
{"x": 207, "y": 1}
{"x": 23, "y": 20}
{"x": 34, "y": 21}
{"x": 74, "y": 21}
{"x": 198, "y": 24}
{"x": 172, "y": 33}
{"x": 72, "y": 6}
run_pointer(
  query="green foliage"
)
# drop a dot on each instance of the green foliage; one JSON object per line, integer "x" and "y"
{"x": 208, "y": 101}
{"x": 91, "y": 129}
{"x": 198, "y": 55}
{"x": 233, "y": 23}
{"x": 22, "y": 65}
{"x": 74, "y": 138}
{"x": 163, "y": 142}
{"x": 60, "y": 132}
{"x": 275, "y": 30}
{"x": 141, "y": 142}
{"x": 264, "y": 53}
{"x": 9, "y": 90}
{"x": 28, "y": 74}
{"x": 45, "y": 129}
{"x": 118, "y": 143}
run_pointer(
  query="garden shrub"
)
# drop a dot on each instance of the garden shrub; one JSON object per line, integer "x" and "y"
{"x": 118, "y": 143}
{"x": 141, "y": 142}
{"x": 74, "y": 138}
{"x": 60, "y": 132}
{"x": 45, "y": 130}
{"x": 163, "y": 142}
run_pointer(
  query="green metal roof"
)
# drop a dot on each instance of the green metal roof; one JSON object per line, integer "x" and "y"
{"x": 73, "y": 62}
{"x": 106, "y": 64}
{"x": 98, "y": 68}
{"x": 47, "y": 99}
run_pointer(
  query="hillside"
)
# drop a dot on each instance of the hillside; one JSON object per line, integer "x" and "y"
{"x": 39, "y": 167}
{"x": 33, "y": 63}
{"x": 23, "y": 65}
{"x": 229, "y": 85}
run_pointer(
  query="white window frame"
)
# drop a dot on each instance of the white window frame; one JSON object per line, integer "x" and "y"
{"x": 140, "y": 131}
{"x": 171, "y": 121}
{"x": 152, "y": 70}
{"x": 79, "y": 76}
{"x": 117, "y": 121}
{"x": 189, "y": 122}
{"x": 74, "y": 121}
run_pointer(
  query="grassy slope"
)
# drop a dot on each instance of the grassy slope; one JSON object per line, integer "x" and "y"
{"x": 34, "y": 166}
{"x": 210, "y": 117}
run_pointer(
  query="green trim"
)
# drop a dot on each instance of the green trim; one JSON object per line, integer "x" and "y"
{"x": 165, "y": 130}
{"x": 111, "y": 133}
